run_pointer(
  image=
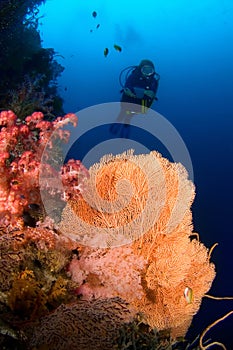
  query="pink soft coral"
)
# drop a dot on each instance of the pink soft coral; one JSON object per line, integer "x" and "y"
{"x": 22, "y": 145}
{"x": 107, "y": 273}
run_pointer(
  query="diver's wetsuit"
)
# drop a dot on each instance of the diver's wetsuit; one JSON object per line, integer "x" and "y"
{"x": 137, "y": 83}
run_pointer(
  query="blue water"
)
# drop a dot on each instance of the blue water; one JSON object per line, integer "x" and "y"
{"x": 190, "y": 43}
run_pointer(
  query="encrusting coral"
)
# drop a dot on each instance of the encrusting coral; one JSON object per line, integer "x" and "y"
{"x": 142, "y": 252}
{"x": 33, "y": 272}
{"x": 34, "y": 282}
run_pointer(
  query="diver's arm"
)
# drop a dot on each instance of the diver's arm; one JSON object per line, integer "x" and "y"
{"x": 128, "y": 89}
{"x": 149, "y": 93}
{"x": 131, "y": 81}
{"x": 129, "y": 92}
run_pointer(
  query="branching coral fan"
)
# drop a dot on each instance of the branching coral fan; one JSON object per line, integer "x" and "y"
{"x": 135, "y": 216}
{"x": 84, "y": 325}
{"x": 22, "y": 145}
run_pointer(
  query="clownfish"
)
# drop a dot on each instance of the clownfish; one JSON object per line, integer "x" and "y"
{"x": 188, "y": 294}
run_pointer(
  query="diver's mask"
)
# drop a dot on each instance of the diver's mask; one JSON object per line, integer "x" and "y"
{"x": 147, "y": 71}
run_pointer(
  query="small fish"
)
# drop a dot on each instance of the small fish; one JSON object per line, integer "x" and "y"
{"x": 94, "y": 14}
{"x": 98, "y": 25}
{"x": 117, "y": 48}
{"x": 106, "y": 51}
{"x": 34, "y": 206}
{"x": 188, "y": 294}
{"x": 91, "y": 30}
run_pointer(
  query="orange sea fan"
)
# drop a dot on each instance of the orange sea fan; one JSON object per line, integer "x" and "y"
{"x": 126, "y": 196}
{"x": 143, "y": 201}
{"x": 176, "y": 263}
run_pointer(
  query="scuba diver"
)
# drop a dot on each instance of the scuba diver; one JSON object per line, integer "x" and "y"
{"x": 138, "y": 94}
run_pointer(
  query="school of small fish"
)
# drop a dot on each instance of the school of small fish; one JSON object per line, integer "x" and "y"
{"x": 106, "y": 50}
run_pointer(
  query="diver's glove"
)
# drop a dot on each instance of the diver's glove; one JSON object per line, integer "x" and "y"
{"x": 128, "y": 92}
{"x": 149, "y": 93}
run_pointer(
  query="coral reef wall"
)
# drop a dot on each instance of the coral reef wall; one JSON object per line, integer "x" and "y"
{"x": 28, "y": 71}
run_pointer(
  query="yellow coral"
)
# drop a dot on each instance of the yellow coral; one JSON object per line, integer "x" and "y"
{"x": 58, "y": 292}
{"x": 26, "y": 298}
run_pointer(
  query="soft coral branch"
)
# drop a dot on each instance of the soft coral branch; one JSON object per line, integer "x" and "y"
{"x": 22, "y": 146}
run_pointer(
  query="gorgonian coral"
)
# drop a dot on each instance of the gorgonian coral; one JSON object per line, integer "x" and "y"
{"x": 83, "y": 325}
{"x": 22, "y": 145}
{"x": 125, "y": 197}
{"x": 135, "y": 216}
